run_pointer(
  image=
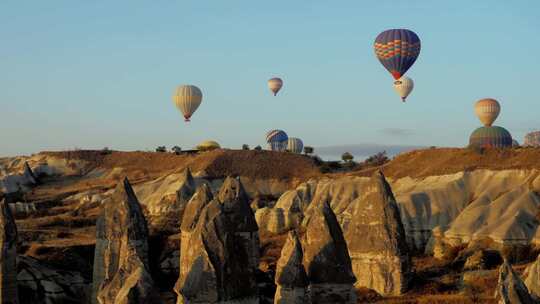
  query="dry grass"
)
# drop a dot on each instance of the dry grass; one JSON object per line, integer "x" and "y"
{"x": 441, "y": 161}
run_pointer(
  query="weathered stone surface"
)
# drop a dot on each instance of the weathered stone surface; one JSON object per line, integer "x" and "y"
{"x": 121, "y": 273}
{"x": 41, "y": 284}
{"x": 376, "y": 240}
{"x": 291, "y": 278}
{"x": 29, "y": 174}
{"x": 482, "y": 259}
{"x": 8, "y": 256}
{"x": 194, "y": 207}
{"x": 532, "y": 279}
{"x": 326, "y": 258}
{"x": 510, "y": 288}
{"x": 219, "y": 257}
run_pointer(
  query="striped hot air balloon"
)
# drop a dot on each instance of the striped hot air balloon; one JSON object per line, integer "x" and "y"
{"x": 187, "y": 98}
{"x": 295, "y": 145}
{"x": 491, "y": 137}
{"x": 277, "y": 140}
{"x": 275, "y": 84}
{"x": 487, "y": 110}
{"x": 404, "y": 87}
{"x": 397, "y": 50}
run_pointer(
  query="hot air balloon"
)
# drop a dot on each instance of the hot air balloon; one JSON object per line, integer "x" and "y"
{"x": 404, "y": 87}
{"x": 275, "y": 85}
{"x": 491, "y": 137}
{"x": 208, "y": 145}
{"x": 295, "y": 145}
{"x": 277, "y": 140}
{"x": 397, "y": 50}
{"x": 487, "y": 110}
{"x": 187, "y": 99}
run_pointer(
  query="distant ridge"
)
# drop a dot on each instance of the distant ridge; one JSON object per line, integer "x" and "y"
{"x": 363, "y": 150}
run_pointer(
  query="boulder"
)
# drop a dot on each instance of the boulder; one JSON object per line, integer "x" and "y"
{"x": 510, "y": 287}
{"x": 376, "y": 240}
{"x": 121, "y": 266}
{"x": 291, "y": 278}
{"x": 532, "y": 279}
{"x": 42, "y": 284}
{"x": 8, "y": 256}
{"x": 220, "y": 255}
{"x": 326, "y": 258}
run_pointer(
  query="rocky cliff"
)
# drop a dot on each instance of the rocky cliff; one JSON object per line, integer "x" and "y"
{"x": 376, "y": 240}
{"x": 121, "y": 265}
{"x": 219, "y": 259}
{"x": 8, "y": 256}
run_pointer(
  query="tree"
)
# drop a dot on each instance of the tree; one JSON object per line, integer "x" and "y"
{"x": 177, "y": 150}
{"x": 106, "y": 151}
{"x": 257, "y": 148}
{"x": 245, "y": 147}
{"x": 347, "y": 157}
{"x": 377, "y": 159}
{"x": 308, "y": 150}
{"x": 161, "y": 149}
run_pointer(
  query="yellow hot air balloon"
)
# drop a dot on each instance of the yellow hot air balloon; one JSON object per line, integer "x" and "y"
{"x": 487, "y": 110}
{"x": 403, "y": 87}
{"x": 208, "y": 145}
{"x": 275, "y": 85}
{"x": 187, "y": 98}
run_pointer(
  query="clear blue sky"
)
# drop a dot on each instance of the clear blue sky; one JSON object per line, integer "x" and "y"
{"x": 91, "y": 74}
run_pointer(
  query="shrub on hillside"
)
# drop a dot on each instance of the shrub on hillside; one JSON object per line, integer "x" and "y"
{"x": 257, "y": 148}
{"x": 176, "y": 150}
{"x": 377, "y": 159}
{"x": 105, "y": 151}
{"x": 245, "y": 147}
{"x": 161, "y": 149}
{"x": 308, "y": 150}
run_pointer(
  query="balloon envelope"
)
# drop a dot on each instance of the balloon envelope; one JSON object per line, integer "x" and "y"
{"x": 397, "y": 50}
{"x": 275, "y": 85}
{"x": 295, "y": 145}
{"x": 491, "y": 137}
{"x": 487, "y": 110}
{"x": 187, "y": 98}
{"x": 404, "y": 87}
{"x": 277, "y": 140}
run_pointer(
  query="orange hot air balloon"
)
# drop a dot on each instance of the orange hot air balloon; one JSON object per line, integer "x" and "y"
{"x": 487, "y": 110}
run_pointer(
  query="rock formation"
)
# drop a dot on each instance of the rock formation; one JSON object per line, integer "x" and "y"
{"x": 43, "y": 284}
{"x": 532, "y": 279}
{"x": 326, "y": 258}
{"x": 376, "y": 240}
{"x": 291, "y": 278}
{"x": 8, "y": 256}
{"x": 510, "y": 288}
{"x": 121, "y": 272}
{"x": 219, "y": 256}
{"x": 29, "y": 174}
{"x": 194, "y": 207}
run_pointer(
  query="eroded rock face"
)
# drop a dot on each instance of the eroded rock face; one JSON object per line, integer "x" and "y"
{"x": 219, "y": 256}
{"x": 376, "y": 240}
{"x": 8, "y": 256}
{"x": 41, "y": 284}
{"x": 510, "y": 288}
{"x": 29, "y": 174}
{"x": 121, "y": 273}
{"x": 532, "y": 279}
{"x": 326, "y": 258}
{"x": 291, "y": 278}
